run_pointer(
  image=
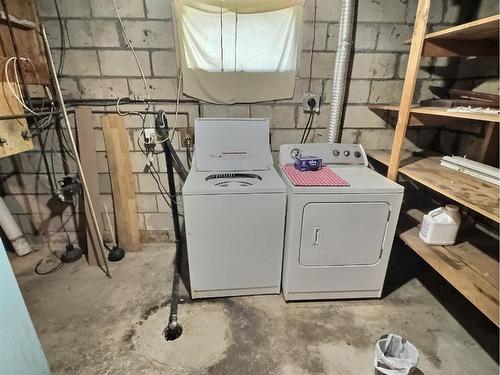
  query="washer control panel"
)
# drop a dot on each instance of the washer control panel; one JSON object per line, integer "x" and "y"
{"x": 330, "y": 153}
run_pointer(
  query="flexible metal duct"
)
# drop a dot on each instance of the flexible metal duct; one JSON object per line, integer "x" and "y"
{"x": 340, "y": 69}
{"x": 12, "y": 231}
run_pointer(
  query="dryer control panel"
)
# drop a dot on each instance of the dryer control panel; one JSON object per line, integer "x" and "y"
{"x": 330, "y": 153}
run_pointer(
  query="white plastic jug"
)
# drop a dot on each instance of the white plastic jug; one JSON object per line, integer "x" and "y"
{"x": 440, "y": 226}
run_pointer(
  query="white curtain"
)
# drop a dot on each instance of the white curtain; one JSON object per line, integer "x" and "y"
{"x": 238, "y": 51}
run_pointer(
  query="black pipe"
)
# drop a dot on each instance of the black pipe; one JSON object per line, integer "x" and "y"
{"x": 173, "y": 330}
{"x": 27, "y": 94}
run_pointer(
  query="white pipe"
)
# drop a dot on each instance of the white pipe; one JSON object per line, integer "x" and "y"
{"x": 340, "y": 69}
{"x": 12, "y": 231}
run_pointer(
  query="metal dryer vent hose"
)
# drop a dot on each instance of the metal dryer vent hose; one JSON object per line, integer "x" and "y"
{"x": 340, "y": 69}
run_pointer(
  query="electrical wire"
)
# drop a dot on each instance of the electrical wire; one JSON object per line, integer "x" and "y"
{"x": 307, "y": 128}
{"x": 19, "y": 97}
{"x": 129, "y": 42}
{"x": 62, "y": 55}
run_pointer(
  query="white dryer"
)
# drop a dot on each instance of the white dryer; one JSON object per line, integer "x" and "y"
{"x": 234, "y": 208}
{"x": 338, "y": 239}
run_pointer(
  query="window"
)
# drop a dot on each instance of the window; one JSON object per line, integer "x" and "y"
{"x": 238, "y": 51}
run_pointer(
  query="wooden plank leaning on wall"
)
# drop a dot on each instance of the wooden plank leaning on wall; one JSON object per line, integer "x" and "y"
{"x": 88, "y": 157}
{"x": 122, "y": 182}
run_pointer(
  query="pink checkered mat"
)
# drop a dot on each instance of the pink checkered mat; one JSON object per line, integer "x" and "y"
{"x": 324, "y": 177}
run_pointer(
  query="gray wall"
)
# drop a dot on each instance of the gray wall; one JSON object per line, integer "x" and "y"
{"x": 98, "y": 65}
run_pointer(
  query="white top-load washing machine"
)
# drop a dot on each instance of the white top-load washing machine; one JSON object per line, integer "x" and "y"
{"x": 338, "y": 239}
{"x": 234, "y": 208}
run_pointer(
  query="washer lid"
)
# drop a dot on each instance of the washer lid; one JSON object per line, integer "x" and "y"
{"x": 240, "y": 144}
{"x": 243, "y": 182}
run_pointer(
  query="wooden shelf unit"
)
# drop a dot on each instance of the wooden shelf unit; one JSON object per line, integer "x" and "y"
{"x": 421, "y": 116}
{"x": 472, "y": 271}
{"x": 476, "y": 38}
{"x": 467, "y": 267}
{"x": 477, "y": 195}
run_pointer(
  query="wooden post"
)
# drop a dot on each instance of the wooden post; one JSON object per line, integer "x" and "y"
{"x": 88, "y": 158}
{"x": 122, "y": 182}
{"x": 417, "y": 43}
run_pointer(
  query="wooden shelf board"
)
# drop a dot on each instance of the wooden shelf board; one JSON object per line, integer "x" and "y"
{"x": 476, "y": 38}
{"x": 438, "y": 112}
{"x": 470, "y": 270}
{"x": 485, "y": 28}
{"x": 479, "y": 196}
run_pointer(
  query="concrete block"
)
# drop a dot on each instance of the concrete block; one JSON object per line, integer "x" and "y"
{"x": 422, "y": 89}
{"x": 382, "y": 11}
{"x": 53, "y": 30}
{"x": 386, "y": 91}
{"x": 138, "y": 162}
{"x": 426, "y": 66}
{"x": 146, "y": 203}
{"x": 322, "y": 64}
{"x": 25, "y": 184}
{"x": 365, "y": 36}
{"x": 68, "y": 8}
{"x": 164, "y": 63}
{"x": 93, "y": 33}
{"x": 213, "y": 110}
{"x": 459, "y": 12}
{"x": 162, "y": 204}
{"x": 122, "y": 63}
{"x": 158, "y": 88}
{"x": 158, "y": 221}
{"x": 284, "y": 136}
{"x": 282, "y": 116}
{"x": 376, "y": 139}
{"x": 147, "y": 183}
{"x": 374, "y": 65}
{"x": 78, "y": 62}
{"x": 320, "y": 38}
{"x": 150, "y": 34}
{"x": 158, "y": 9}
{"x": 358, "y": 91}
{"x": 106, "y": 88}
{"x": 320, "y": 120}
{"x": 104, "y": 183}
{"x": 301, "y": 87}
{"x": 327, "y": 10}
{"x": 361, "y": 117}
{"x": 102, "y": 162}
{"x": 392, "y": 37}
{"x": 435, "y": 13}
{"x": 69, "y": 88}
{"x": 127, "y": 8}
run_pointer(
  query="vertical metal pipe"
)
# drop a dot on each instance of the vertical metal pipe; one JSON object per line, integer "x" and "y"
{"x": 340, "y": 69}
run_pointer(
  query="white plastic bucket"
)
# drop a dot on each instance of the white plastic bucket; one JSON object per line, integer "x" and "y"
{"x": 440, "y": 226}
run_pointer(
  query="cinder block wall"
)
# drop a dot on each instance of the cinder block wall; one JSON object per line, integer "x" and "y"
{"x": 97, "y": 64}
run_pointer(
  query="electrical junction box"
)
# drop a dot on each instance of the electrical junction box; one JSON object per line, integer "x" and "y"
{"x": 310, "y": 102}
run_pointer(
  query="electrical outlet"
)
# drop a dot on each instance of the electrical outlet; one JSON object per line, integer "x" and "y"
{"x": 310, "y": 103}
{"x": 149, "y": 136}
{"x": 187, "y": 136}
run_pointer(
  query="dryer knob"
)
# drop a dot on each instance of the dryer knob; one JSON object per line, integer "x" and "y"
{"x": 347, "y": 153}
{"x": 357, "y": 154}
{"x": 336, "y": 153}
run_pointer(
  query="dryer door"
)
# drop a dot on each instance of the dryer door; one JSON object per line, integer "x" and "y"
{"x": 343, "y": 234}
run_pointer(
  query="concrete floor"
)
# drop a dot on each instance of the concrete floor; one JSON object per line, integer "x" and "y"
{"x": 91, "y": 325}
